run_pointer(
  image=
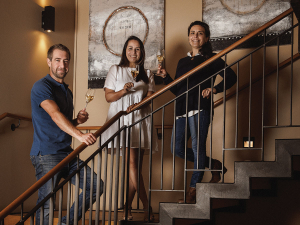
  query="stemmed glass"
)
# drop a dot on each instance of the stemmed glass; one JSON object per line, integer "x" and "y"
{"x": 160, "y": 57}
{"x": 89, "y": 96}
{"x": 135, "y": 72}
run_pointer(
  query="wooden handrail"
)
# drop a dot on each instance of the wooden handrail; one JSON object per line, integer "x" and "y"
{"x": 4, "y": 115}
{"x": 88, "y": 127}
{"x": 79, "y": 149}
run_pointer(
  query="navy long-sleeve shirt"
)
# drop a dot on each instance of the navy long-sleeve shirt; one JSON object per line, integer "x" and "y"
{"x": 188, "y": 63}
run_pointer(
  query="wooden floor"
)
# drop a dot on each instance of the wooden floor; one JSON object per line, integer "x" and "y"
{"x": 137, "y": 216}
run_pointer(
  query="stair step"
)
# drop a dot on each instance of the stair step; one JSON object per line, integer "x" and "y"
{"x": 250, "y": 178}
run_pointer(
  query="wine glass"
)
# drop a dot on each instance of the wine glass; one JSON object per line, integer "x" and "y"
{"x": 160, "y": 58}
{"x": 135, "y": 71}
{"x": 89, "y": 96}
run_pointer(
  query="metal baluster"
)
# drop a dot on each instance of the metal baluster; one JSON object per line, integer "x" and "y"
{"x": 127, "y": 175}
{"x": 237, "y": 105}
{"x": 185, "y": 139}
{"x": 84, "y": 194}
{"x": 76, "y": 202}
{"x": 117, "y": 180}
{"x": 162, "y": 148}
{"x": 150, "y": 162}
{"x": 105, "y": 183}
{"x": 42, "y": 215}
{"x": 139, "y": 166}
{"x": 211, "y": 124}
{"x": 292, "y": 67}
{"x": 263, "y": 95}
{"x": 123, "y": 168}
{"x": 277, "y": 81}
{"x": 68, "y": 202}
{"x": 21, "y": 211}
{"x": 198, "y": 125}
{"x": 99, "y": 166}
{"x": 60, "y": 205}
{"x": 250, "y": 100}
{"x": 111, "y": 181}
{"x": 51, "y": 208}
{"x": 224, "y": 118}
{"x": 173, "y": 150}
{"x": 91, "y": 191}
{"x": 97, "y": 214}
{"x": 31, "y": 220}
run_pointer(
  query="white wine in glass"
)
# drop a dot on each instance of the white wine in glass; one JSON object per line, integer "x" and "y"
{"x": 135, "y": 71}
{"x": 160, "y": 58}
{"x": 89, "y": 96}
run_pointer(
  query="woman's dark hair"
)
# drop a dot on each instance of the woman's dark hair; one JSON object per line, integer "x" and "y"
{"x": 125, "y": 63}
{"x": 206, "y": 49}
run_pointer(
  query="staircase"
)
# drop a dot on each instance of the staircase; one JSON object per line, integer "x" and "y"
{"x": 240, "y": 189}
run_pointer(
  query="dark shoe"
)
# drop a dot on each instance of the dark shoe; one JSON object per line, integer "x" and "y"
{"x": 216, "y": 175}
{"x": 129, "y": 215}
{"x": 190, "y": 196}
{"x": 146, "y": 215}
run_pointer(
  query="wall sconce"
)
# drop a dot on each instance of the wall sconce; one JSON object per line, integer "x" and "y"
{"x": 48, "y": 19}
{"x": 246, "y": 142}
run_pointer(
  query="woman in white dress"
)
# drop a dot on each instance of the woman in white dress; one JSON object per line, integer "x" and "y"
{"x": 123, "y": 92}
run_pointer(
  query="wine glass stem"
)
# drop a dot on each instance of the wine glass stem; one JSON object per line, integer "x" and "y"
{"x": 85, "y": 105}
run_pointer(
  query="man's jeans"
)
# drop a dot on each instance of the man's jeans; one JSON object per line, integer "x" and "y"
{"x": 43, "y": 164}
{"x": 191, "y": 153}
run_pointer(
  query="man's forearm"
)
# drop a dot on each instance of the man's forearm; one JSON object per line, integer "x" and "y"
{"x": 67, "y": 126}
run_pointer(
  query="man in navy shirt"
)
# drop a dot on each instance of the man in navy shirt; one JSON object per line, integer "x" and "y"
{"x": 52, "y": 112}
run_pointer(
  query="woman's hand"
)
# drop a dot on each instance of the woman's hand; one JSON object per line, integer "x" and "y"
{"x": 112, "y": 96}
{"x": 207, "y": 92}
{"x": 149, "y": 93}
{"x": 127, "y": 87}
{"x": 161, "y": 72}
{"x": 130, "y": 108}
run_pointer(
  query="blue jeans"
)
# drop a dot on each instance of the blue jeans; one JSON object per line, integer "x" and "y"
{"x": 43, "y": 164}
{"x": 191, "y": 153}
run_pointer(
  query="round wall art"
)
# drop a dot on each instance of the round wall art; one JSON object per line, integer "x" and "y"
{"x": 122, "y": 23}
{"x": 242, "y": 7}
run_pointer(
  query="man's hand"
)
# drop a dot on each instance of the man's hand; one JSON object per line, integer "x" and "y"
{"x": 88, "y": 138}
{"x": 82, "y": 116}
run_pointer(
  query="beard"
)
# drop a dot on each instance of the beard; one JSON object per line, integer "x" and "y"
{"x": 59, "y": 73}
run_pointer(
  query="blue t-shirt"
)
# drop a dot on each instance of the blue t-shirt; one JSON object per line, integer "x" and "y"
{"x": 48, "y": 138}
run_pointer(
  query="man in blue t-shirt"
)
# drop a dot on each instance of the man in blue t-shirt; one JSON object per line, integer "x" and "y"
{"x": 52, "y": 112}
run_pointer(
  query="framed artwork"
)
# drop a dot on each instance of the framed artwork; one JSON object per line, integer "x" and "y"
{"x": 230, "y": 20}
{"x": 110, "y": 26}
